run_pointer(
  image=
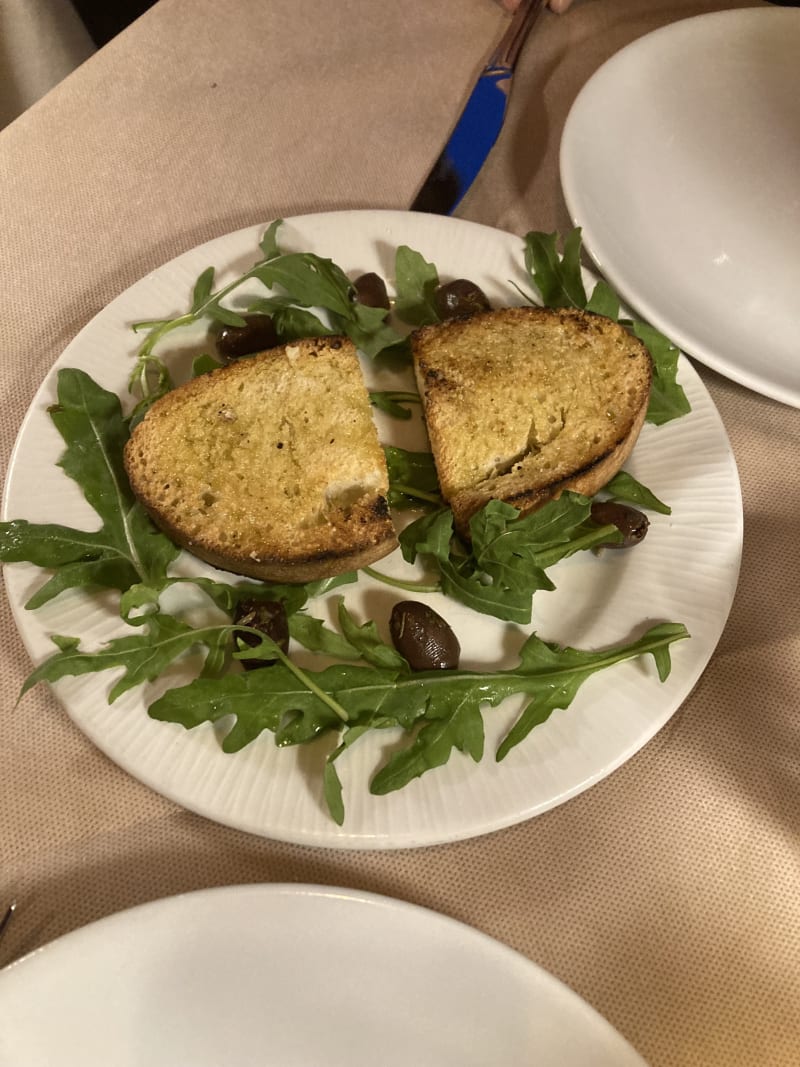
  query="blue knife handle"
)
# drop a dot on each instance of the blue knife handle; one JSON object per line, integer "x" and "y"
{"x": 469, "y": 144}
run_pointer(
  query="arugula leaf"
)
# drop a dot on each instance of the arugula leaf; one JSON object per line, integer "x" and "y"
{"x": 559, "y": 279}
{"x": 415, "y": 284}
{"x": 460, "y": 575}
{"x": 291, "y": 322}
{"x": 562, "y": 671}
{"x": 219, "y": 313}
{"x": 327, "y": 585}
{"x": 367, "y": 329}
{"x": 412, "y": 478}
{"x": 624, "y": 486}
{"x": 457, "y": 725}
{"x": 314, "y": 635}
{"x": 127, "y": 548}
{"x": 368, "y": 643}
{"x": 429, "y": 535}
{"x": 461, "y": 579}
{"x": 502, "y": 539}
{"x": 202, "y": 289}
{"x": 331, "y": 783}
{"x": 261, "y": 700}
{"x": 667, "y": 398}
{"x": 203, "y": 364}
{"x": 604, "y": 301}
{"x": 143, "y": 655}
{"x": 269, "y": 242}
{"x": 227, "y": 596}
{"x": 311, "y": 280}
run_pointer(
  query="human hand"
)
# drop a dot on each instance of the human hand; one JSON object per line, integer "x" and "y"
{"x": 559, "y": 6}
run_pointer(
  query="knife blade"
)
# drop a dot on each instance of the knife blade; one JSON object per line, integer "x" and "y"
{"x": 480, "y": 122}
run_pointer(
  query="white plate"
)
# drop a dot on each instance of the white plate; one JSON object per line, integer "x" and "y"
{"x": 686, "y": 571}
{"x": 293, "y": 976}
{"x": 680, "y": 160}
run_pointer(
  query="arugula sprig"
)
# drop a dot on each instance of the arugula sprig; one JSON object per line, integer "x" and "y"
{"x": 441, "y": 710}
{"x": 127, "y": 548}
{"x": 416, "y": 281}
{"x": 303, "y": 280}
{"x": 558, "y": 278}
{"x": 413, "y": 481}
{"x": 507, "y": 559}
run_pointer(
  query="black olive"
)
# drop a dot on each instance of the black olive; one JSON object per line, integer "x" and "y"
{"x": 630, "y": 522}
{"x": 423, "y": 638}
{"x": 370, "y": 289}
{"x": 259, "y": 334}
{"x": 268, "y": 616}
{"x": 459, "y": 298}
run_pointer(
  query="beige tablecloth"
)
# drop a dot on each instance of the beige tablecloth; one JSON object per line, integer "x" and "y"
{"x": 668, "y": 895}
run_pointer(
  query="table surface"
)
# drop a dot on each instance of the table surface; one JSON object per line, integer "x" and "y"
{"x": 668, "y": 895}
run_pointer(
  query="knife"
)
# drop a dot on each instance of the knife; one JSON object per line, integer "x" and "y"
{"x": 480, "y": 123}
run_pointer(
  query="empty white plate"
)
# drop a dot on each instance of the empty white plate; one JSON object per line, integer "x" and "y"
{"x": 680, "y": 160}
{"x": 294, "y": 976}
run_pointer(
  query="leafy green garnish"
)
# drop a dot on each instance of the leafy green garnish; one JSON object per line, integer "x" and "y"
{"x": 667, "y": 398}
{"x": 415, "y": 282}
{"x": 392, "y": 401}
{"x": 559, "y": 279}
{"x": 203, "y": 364}
{"x": 442, "y": 708}
{"x": 127, "y": 548}
{"x": 604, "y": 301}
{"x": 623, "y": 486}
{"x": 413, "y": 481}
{"x": 506, "y": 561}
{"x": 303, "y": 280}
{"x": 291, "y": 322}
{"x": 143, "y": 655}
{"x": 314, "y": 635}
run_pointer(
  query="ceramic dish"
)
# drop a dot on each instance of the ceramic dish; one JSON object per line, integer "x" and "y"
{"x": 685, "y": 571}
{"x": 292, "y": 975}
{"x": 680, "y": 160}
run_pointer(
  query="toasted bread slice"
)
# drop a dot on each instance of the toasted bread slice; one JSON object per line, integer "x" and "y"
{"x": 270, "y": 467}
{"x": 523, "y": 403}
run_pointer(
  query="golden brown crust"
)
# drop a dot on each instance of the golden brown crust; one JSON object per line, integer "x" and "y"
{"x": 269, "y": 468}
{"x": 523, "y": 403}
